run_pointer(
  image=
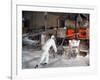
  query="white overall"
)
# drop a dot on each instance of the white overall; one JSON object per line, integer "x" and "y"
{"x": 46, "y": 48}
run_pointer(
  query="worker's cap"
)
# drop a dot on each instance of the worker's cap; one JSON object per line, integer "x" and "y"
{"x": 53, "y": 37}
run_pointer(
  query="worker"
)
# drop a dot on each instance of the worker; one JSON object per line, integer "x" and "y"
{"x": 74, "y": 46}
{"x": 46, "y": 47}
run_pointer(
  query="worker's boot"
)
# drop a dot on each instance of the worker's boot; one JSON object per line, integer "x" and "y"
{"x": 43, "y": 64}
{"x": 36, "y": 66}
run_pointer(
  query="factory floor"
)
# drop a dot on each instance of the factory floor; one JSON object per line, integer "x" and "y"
{"x": 31, "y": 57}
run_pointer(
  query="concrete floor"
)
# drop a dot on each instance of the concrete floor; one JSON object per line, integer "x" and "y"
{"x": 31, "y": 57}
